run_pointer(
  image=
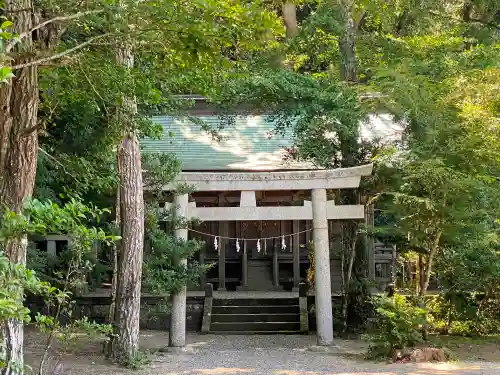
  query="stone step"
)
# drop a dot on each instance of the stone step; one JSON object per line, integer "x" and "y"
{"x": 246, "y": 333}
{"x": 230, "y": 318}
{"x": 255, "y": 301}
{"x": 270, "y": 309}
{"x": 254, "y": 326}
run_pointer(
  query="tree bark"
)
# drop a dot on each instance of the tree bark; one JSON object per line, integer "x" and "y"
{"x": 347, "y": 46}
{"x": 428, "y": 267}
{"x": 420, "y": 274}
{"x": 18, "y": 153}
{"x": 350, "y": 231}
{"x": 348, "y": 73}
{"x": 290, "y": 19}
{"x": 128, "y": 290}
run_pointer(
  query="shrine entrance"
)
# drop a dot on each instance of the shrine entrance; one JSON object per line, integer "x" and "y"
{"x": 308, "y": 204}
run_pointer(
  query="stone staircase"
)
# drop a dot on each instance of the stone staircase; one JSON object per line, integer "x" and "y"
{"x": 255, "y": 316}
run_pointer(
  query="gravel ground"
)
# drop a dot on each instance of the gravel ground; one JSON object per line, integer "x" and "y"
{"x": 265, "y": 355}
{"x": 291, "y": 355}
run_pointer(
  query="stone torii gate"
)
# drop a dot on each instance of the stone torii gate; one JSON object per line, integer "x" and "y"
{"x": 319, "y": 210}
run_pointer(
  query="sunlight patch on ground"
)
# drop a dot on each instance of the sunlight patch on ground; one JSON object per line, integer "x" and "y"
{"x": 448, "y": 366}
{"x": 295, "y": 372}
{"x": 443, "y": 369}
{"x": 224, "y": 370}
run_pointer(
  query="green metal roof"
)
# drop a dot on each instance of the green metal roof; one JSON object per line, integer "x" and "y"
{"x": 246, "y": 145}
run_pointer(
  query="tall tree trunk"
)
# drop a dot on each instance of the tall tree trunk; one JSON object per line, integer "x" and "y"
{"x": 348, "y": 141}
{"x": 349, "y": 243}
{"x": 420, "y": 275}
{"x": 425, "y": 276}
{"x": 18, "y": 153}
{"x": 290, "y": 18}
{"x": 347, "y": 44}
{"x": 427, "y": 272}
{"x": 128, "y": 291}
{"x": 348, "y": 73}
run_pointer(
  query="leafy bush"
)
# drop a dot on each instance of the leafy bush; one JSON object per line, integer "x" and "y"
{"x": 16, "y": 281}
{"x": 163, "y": 272}
{"x": 465, "y": 314}
{"x": 398, "y": 325}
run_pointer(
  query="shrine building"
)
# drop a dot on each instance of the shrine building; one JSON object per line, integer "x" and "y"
{"x": 260, "y": 213}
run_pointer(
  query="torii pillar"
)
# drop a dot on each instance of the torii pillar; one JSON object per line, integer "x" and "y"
{"x": 322, "y": 283}
{"x": 177, "y": 332}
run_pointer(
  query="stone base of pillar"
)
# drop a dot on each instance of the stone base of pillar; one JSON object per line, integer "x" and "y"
{"x": 221, "y": 290}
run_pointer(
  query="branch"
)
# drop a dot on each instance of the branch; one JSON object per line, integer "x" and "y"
{"x": 52, "y": 20}
{"x": 40, "y": 124}
{"x": 360, "y": 18}
{"x": 61, "y": 54}
{"x": 94, "y": 88}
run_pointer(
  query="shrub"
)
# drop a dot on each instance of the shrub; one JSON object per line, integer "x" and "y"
{"x": 398, "y": 325}
{"x": 465, "y": 314}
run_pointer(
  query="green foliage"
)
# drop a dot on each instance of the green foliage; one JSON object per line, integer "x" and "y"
{"x": 323, "y": 113}
{"x": 67, "y": 334}
{"x": 190, "y": 49}
{"x": 161, "y": 169}
{"x": 14, "y": 281}
{"x": 5, "y": 74}
{"x": 138, "y": 361}
{"x": 465, "y": 314}
{"x": 444, "y": 198}
{"x": 163, "y": 272}
{"x": 71, "y": 219}
{"x": 397, "y": 325}
{"x": 471, "y": 267}
{"x": 5, "y": 36}
{"x": 14, "y": 277}
{"x": 70, "y": 270}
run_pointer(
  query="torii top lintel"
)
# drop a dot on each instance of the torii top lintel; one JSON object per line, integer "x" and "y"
{"x": 341, "y": 178}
